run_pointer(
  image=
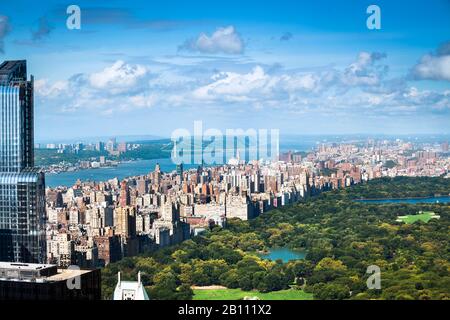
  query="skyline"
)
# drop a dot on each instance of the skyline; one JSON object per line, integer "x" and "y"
{"x": 136, "y": 69}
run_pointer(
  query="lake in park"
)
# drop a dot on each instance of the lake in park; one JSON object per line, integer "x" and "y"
{"x": 285, "y": 254}
{"x": 443, "y": 199}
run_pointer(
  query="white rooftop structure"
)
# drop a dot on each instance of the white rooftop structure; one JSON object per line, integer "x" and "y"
{"x": 34, "y": 272}
{"x": 130, "y": 290}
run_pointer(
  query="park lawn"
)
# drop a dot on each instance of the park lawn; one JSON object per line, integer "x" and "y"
{"x": 236, "y": 294}
{"x": 423, "y": 216}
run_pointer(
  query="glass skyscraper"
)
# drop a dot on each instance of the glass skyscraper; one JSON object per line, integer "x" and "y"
{"x": 22, "y": 187}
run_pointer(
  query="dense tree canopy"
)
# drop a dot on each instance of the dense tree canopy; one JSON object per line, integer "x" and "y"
{"x": 341, "y": 237}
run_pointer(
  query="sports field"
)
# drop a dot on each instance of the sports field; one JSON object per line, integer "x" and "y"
{"x": 424, "y": 216}
{"x": 236, "y": 294}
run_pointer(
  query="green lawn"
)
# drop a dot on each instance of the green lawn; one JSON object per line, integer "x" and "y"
{"x": 236, "y": 294}
{"x": 421, "y": 216}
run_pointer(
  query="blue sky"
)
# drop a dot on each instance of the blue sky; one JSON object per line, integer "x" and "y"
{"x": 304, "y": 67}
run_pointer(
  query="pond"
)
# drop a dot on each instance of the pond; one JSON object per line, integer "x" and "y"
{"x": 285, "y": 254}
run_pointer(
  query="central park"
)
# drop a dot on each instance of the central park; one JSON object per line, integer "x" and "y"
{"x": 338, "y": 238}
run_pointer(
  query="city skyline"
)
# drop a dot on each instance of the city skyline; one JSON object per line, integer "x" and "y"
{"x": 303, "y": 68}
{"x": 238, "y": 150}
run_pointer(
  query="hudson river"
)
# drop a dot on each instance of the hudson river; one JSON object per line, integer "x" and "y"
{"x": 141, "y": 167}
{"x": 123, "y": 170}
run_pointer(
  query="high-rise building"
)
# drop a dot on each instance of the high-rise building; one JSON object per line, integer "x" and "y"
{"x": 111, "y": 145}
{"x": 22, "y": 187}
{"x": 124, "y": 199}
{"x": 100, "y": 146}
{"x": 180, "y": 171}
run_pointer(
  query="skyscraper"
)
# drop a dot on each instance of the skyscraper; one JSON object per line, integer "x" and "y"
{"x": 22, "y": 187}
{"x": 180, "y": 171}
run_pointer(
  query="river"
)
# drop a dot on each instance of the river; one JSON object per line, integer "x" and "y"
{"x": 442, "y": 199}
{"x": 123, "y": 170}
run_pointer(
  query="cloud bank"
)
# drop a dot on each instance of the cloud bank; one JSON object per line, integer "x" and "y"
{"x": 362, "y": 87}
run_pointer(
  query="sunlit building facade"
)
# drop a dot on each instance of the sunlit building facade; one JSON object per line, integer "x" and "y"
{"x": 22, "y": 187}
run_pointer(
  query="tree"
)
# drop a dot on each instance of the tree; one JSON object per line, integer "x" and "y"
{"x": 230, "y": 279}
{"x": 330, "y": 291}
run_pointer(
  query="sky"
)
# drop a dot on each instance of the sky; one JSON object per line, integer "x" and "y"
{"x": 303, "y": 67}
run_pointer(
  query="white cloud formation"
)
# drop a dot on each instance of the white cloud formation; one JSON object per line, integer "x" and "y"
{"x": 144, "y": 100}
{"x": 258, "y": 84}
{"x": 233, "y": 84}
{"x": 223, "y": 40}
{"x": 120, "y": 86}
{"x": 117, "y": 77}
{"x": 43, "y": 88}
{"x": 434, "y": 66}
{"x": 359, "y": 87}
{"x": 364, "y": 71}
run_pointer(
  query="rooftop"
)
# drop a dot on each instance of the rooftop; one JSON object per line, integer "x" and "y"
{"x": 13, "y": 70}
{"x": 24, "y": 266}
{"x": 14, "y": 271}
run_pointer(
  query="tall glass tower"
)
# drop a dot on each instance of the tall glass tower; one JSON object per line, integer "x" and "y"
{"x": 22, "y": 187}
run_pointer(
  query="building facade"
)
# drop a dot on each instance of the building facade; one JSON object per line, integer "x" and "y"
{"x": 22, "y": 187}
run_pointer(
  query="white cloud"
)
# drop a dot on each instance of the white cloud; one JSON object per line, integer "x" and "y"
{"x": 233, "y": 84}
{"x": 43, "y": 88}
{"x": 256, "y": 85}
{"x": 223, "y": 40}
{"x": 364, "y": 70}
{"x": 118, "y": 76}
{"x": 143, "y": 100}
{"x": 359, "y": 87}
{"x": 120, "y": 86}
{"x": 433, "y": 67}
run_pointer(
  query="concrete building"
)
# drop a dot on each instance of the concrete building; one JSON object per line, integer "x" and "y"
{"x": 130, "y": 290}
